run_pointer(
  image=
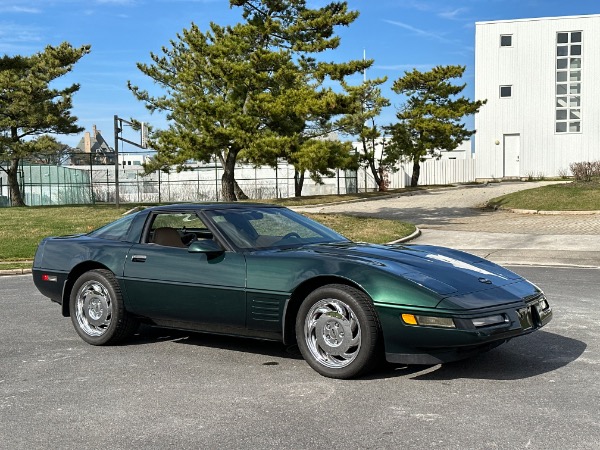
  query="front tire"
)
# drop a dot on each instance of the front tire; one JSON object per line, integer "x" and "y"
{"x": 97, "y": 309}
{"x": 338, "y": 331}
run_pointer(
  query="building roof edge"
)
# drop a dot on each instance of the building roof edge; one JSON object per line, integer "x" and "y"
{"x": 536, "y": 19}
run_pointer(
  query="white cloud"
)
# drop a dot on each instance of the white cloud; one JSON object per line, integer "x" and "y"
{"x": 11, "y": 32}
{"x": 117, "y": 2}
{"x": 192, "y": 1}
{"x": 19, "y": 9}
{"x": 456, "y": 14}
{"x": 420, "y": 32}
{"x": 441, "y": 10}
{"x": 419, "y": 5}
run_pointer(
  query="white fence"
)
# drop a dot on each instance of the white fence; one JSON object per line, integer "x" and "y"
{"x": 97, "y": 183}
{"x": 433, "y": 172}
{"x": 204, "y": 184}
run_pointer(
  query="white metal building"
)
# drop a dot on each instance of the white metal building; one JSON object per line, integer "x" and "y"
{"x": 541, "y": 78}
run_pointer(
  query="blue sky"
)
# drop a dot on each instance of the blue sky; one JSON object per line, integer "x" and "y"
{"x": 399, "y": 34}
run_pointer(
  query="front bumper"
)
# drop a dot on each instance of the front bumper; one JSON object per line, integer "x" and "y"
{"x": 410, "y": 344}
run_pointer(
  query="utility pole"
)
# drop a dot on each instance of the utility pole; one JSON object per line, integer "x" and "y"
{"x": 117, "y": 131}
{"x": 119, "y": 137}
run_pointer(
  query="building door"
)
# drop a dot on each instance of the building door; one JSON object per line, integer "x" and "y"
{"x": 512, "y": 155}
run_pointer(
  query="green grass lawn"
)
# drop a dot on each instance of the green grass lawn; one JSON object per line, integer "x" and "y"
{"x": 575, "y": 196}
{"x": 21, "y": 229}
{"x": 365, "y": 229}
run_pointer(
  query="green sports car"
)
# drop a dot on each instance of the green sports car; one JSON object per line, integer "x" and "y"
{"x": 270, "y": 273}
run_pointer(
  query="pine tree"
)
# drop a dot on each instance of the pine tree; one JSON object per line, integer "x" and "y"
{"x": 249, "y": 92}
{"x": 430, "y": 118}
{"x": 47, "y": 149}
{"x": 367, "y": 103}
{"x": 29, "y": 107}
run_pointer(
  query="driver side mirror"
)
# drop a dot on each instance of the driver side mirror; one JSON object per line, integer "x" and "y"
{"x": 205, "y": 246}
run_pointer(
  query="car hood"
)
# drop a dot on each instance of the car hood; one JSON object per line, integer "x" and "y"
{"x": 440, "y": 269}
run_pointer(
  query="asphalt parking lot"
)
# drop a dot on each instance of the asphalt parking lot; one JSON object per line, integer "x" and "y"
{"x": 170, "y": 389}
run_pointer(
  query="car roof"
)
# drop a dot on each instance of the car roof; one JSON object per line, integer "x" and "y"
{"x": 211, "y": 205}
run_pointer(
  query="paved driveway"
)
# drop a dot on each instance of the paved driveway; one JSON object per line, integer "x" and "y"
{"x": 454, "y": 217}
{"x": 168, "y": 389}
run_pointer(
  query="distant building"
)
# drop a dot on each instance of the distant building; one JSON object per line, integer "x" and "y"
{"x": 93, "y": 150}
{"x": 133, "y": 160}
{"x": 463, "y": 151}
{"x": 540, "y": 78}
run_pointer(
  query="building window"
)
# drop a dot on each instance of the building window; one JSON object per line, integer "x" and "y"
{"x": 505, "y": 91}
{"x": 506, "y": 40}
{"x": 568, "y": 81}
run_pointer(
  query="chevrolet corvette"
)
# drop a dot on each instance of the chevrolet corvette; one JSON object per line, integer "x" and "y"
{"x": 266, "y": 272}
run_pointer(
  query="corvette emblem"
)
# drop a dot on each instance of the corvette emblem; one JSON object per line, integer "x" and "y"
{"x": 484, "y": 280}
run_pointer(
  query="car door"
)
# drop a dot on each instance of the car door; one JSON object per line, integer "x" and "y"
{"x": 164, "y": 281}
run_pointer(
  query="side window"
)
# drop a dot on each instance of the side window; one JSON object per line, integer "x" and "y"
{"x": 505, "y": 91}
{"x": 506, "y": 40}
{"x": 115, "y": 231}
{"x": 176, "y": 229}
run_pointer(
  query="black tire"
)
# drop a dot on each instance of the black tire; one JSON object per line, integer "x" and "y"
{"x": 338, "y": 331}
{"x": 97, "y": 309}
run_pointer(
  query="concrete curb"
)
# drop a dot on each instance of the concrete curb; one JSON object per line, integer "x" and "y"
{"x": 14, "y": 272}
{"x": 410, "y": 237}
{"x": 20, "y": 271}
{"x": 564, "y": 265}
{"x": 551, "y": 213}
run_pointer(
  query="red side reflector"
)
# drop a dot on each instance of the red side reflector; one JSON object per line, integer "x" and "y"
{"x": 45, "y": 277}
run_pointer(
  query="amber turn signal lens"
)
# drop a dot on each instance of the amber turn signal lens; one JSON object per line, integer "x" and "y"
{"x": 426, "y": 321}
{"x": 409, "y": 319}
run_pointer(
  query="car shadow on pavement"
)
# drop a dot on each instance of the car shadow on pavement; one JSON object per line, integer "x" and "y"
{"x": 536, "y": 354}
{"x": 151, "y": 335}
{"x": 529, "y": 356}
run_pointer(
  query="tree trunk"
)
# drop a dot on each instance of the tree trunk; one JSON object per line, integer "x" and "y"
{"x": 382, "y": 183}
{"x": 16, "y": 199}
{"x": 228, "y": 179}
{"x": 239, "y": 193}
{"x": 378, "y": 179}
{"x": 414, "y": 180}
{"x": 371, "y": 162}
{"x": 298, "y": 183}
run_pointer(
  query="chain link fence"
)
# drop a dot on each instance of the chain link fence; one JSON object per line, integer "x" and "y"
{"x": 43, "y": 184}
{"x": 89, "y": 182}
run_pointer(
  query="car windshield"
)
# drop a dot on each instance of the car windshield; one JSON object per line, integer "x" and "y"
{"x": 265, "y": 228}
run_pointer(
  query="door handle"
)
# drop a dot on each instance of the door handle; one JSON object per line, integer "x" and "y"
{"x": 138, "y": 258}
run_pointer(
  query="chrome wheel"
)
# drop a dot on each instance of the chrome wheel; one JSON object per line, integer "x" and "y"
{"x": 93, "y": 308}
{"x": 332, "y": 333}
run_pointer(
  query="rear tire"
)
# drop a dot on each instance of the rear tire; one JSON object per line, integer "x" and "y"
{"x": 97, "y": 309}
{"x": 338, "y": 331}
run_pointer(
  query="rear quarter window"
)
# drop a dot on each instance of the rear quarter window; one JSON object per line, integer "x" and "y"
{"x": 115, "y": 231}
